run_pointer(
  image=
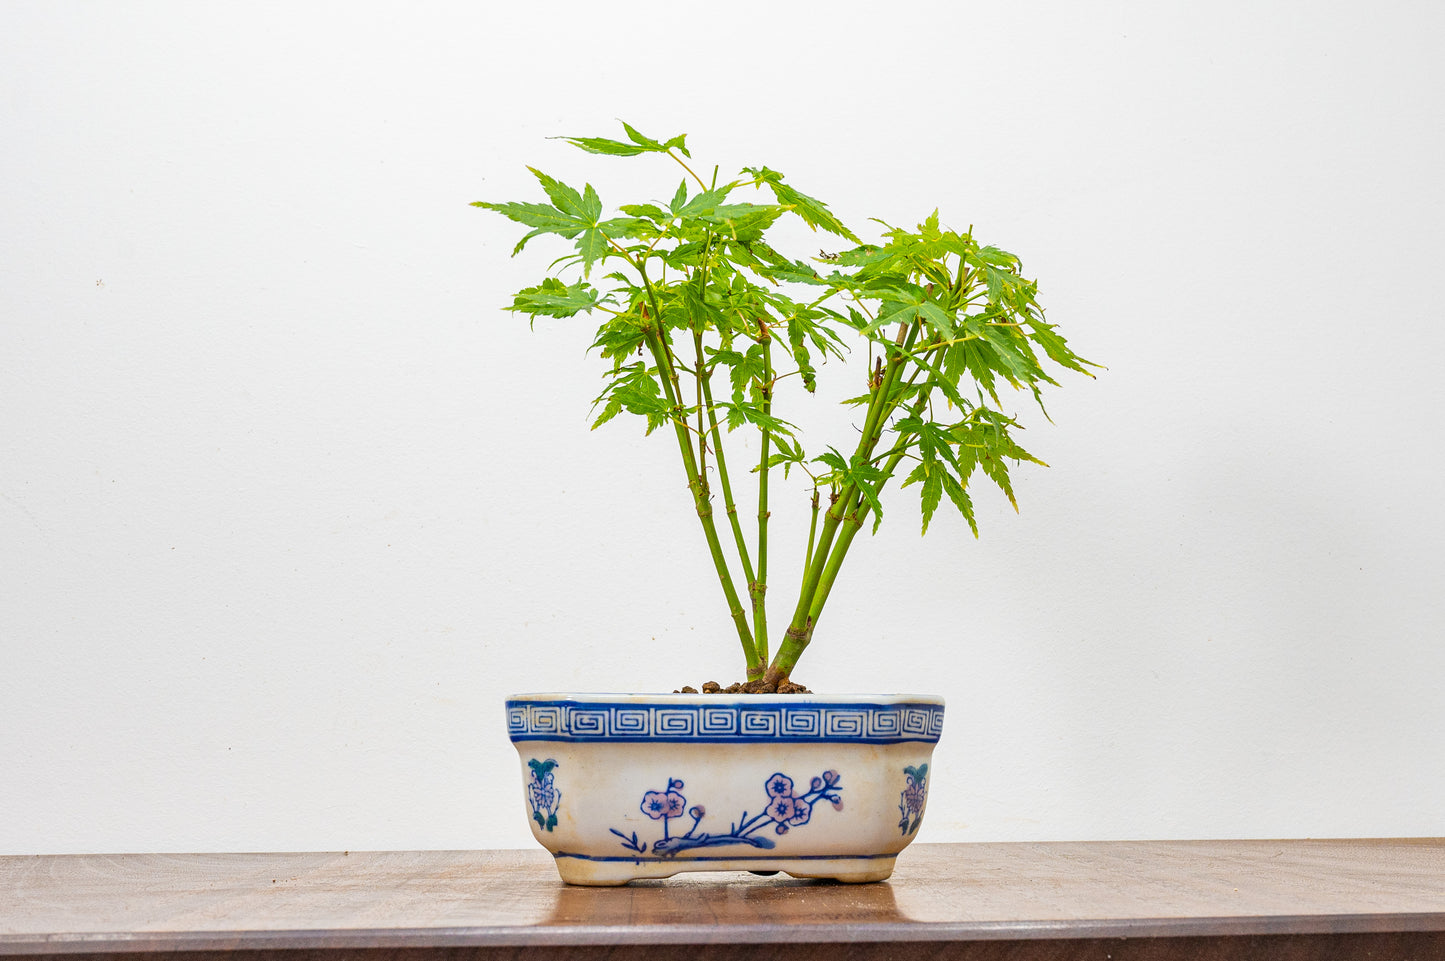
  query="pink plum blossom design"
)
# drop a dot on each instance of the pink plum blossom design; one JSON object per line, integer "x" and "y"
{"x": 785, "y": 810}
{"x": 663, "y": 804}
{"x": 781, "y": 810}
{"x": 802, "y": 811}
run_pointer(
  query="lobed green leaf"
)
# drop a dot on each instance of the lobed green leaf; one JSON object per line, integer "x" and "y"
{"x": 932, "y": 492}
{"x": 640, "y": 144}
{"x": 552, "y": 298}
{"x": 959, "y": 495}
{"x": 812, "y": 211}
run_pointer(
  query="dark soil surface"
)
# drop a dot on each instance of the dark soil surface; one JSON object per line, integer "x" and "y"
{"x": 752, "y": 687}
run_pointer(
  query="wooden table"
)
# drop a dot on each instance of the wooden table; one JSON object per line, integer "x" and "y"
{"x": 1119, "y": 900}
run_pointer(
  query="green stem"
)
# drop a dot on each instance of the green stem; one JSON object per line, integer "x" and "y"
{"x": 823, "y": 567}
{"x": 812, "y": 532}
{"x": 797, "y": 634}
{"x": 756, "y": 659}
{"x": 696, "y": 481}
{"x": 799, "y": 629}
{"x": 701, "y": 426}
{"x": 854, "y": 523}
{"x": 715, "y": 433}
{"x": 759, "y": 587}
{"x": 702, "y": 500}
{"x": 879, "y": 411}
{"x": 684, "y": 166}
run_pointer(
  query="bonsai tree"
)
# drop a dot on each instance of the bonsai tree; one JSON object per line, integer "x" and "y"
{"x": 706, "y": 326}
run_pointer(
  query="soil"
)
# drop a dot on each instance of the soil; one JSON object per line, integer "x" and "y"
{"x": 751, "y": 687}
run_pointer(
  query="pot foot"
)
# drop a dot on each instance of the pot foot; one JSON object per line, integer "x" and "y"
{"x": 875, "y": 873}
{"x": 611, "y": 873}
{"x": 605, "y": 874}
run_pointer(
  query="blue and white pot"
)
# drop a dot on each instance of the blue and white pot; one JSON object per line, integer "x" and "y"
{"x": 627, "y": 786}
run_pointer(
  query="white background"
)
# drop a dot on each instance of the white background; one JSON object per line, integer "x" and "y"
{"x": 288, "y": 505}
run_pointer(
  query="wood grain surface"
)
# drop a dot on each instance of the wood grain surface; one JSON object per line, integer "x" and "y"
{"x": 1293, "y": 898}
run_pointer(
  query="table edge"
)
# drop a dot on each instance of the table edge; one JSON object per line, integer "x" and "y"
{"x": 523, "y": 935}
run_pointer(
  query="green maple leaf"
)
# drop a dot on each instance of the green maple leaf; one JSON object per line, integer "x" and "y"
{"x": 811, "y": 210}
{"x": 552, "y": 298}
{"x": 571, "y": 214}
{"x": 639, "y": 144}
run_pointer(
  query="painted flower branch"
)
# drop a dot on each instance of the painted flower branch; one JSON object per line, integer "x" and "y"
{"x": 786, "y": 809}
{"x": 703, "y": 321}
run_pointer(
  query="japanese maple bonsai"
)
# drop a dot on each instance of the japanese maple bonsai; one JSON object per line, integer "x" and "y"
{"x": 705, "y": 325}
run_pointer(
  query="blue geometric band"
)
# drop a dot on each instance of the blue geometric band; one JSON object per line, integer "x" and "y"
{"x": 812, "y": 722}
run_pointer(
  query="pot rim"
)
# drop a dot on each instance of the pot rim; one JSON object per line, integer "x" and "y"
{"x": 724, "y": 718}
{"x": 604, "y": 697}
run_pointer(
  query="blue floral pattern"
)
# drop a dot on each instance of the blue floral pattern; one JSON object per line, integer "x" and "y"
{"x": 542, "y": 793}
{"x": 786, "y": 809}
{"x": 914, "y": 796}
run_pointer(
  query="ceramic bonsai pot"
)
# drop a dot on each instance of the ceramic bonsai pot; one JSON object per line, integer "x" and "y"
{"x": 624, "y": 786}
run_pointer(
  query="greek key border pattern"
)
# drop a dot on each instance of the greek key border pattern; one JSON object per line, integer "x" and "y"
{"x": 704, "y": 723}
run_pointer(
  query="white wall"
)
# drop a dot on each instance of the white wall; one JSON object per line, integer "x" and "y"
{"x": 287, "y": 505}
